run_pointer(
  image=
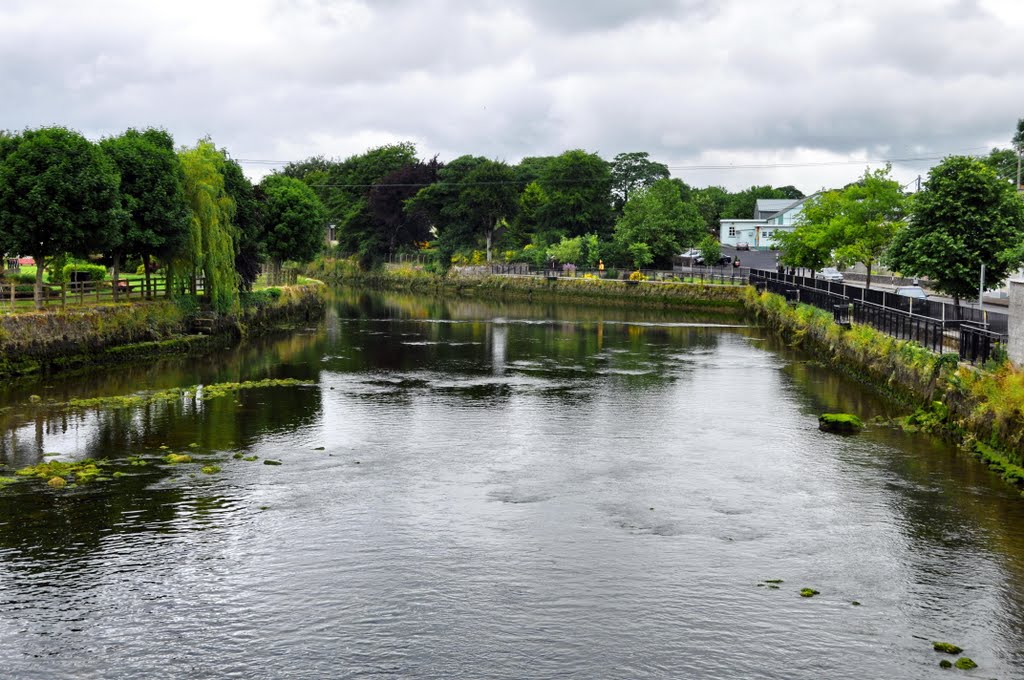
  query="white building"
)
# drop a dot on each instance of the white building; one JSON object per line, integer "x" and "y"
{"x": 771, "y": 215}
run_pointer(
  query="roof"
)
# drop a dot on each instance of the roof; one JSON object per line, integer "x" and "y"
{"x": 774, "y": 205}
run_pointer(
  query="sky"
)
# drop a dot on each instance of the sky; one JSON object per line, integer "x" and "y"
{"x": 726, "y": 92}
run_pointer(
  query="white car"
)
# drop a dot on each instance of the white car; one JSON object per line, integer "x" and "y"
{"x": 915, "y": 292}
{"x": 829, "y": 274}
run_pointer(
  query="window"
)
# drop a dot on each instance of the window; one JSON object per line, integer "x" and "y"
{"x": 766, "y": 233}
{"x": 732, "y": 231}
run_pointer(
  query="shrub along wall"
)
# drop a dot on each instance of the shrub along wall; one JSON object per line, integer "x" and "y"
{"x": 979, "y": 409}
{"x": 39, "y": 341}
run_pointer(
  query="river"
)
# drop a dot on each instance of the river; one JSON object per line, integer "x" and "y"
{"x": 480, "y": 490}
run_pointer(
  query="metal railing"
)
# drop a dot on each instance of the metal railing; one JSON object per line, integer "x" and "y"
{"x": 978, "y": 345}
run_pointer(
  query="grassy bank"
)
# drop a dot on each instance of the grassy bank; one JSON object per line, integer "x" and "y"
{"x": 35, "y": 342}
{"x": 981, "y": 410}
{"x": 569, "y": 290}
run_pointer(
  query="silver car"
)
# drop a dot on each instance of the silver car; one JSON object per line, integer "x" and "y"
{"x": 829, "y": 274}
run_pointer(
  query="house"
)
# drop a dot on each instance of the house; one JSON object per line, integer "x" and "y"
{"x": 771, "y": 216}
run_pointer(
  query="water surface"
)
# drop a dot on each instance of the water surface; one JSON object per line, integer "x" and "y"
{"x": 478, "y": 490}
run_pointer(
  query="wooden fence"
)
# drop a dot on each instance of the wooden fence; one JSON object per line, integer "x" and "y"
{"x": 21, "y": 296}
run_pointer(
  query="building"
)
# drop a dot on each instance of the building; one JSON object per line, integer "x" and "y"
{"x": 771, "y": 216}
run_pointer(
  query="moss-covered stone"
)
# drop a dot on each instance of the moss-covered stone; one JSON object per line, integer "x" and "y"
{"x": 176, "y": 458}
{"x": 808, "y": 592}
{"x": 840, "y": 423}
{"x": 210, "y": 469}
{"x": 965, "y": 663}
{"x": 271, "y": 462}
{"x": 945, "y": 663}
{"x": 57, "y": 482}
{"x": 947, "y": 647}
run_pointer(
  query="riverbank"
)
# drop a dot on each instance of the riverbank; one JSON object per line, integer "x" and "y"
{"x": 653, "y": 294}
{"x": 982, "y": 411}
{"x": 43, "y": 342}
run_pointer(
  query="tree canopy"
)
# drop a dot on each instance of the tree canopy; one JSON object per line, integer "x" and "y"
{"x": 632, "y": 172}
{"x": 658, "y": 218}
{"x": 152, "y": 194}
{"x": 59, "y": 193}
{"x": 295, "y": 220}
{"x": 964, "y": 217}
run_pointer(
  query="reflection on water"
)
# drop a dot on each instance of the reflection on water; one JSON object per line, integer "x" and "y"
{"x": 472, "y": 490}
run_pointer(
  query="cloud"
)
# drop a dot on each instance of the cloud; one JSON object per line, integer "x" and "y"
{"x": 693, "y": 82}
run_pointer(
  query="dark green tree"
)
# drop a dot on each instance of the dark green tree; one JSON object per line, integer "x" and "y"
{"x": 578, "y": 185}
{"x": 965, "y": 217}
{"x": 345, "y": 192}
{"x": 710, "y": 202}
{"x": 250, "y": 222}
{"x": 295, "y": 221}
{"x": 58, "y": 193}
{"x": 632, "y": 172}
{"x": 152, "y": 194}
{"x": 397, "y": 228}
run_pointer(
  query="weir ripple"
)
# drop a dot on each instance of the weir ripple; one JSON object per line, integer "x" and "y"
{"x": 484, "y": 490}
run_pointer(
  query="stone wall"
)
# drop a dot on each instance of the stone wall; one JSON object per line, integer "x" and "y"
{"x": 1015, "y": 347}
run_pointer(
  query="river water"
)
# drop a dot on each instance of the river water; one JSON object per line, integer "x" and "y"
{"x": 474, "y": 490}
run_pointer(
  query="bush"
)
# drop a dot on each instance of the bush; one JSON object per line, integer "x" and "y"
{"x": 637, "y": 276}
{"x": 86, "y": 272}
{"x": 259, "y": 298}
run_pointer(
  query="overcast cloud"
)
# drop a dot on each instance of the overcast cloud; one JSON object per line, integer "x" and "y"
{"x": 779, "y": 85}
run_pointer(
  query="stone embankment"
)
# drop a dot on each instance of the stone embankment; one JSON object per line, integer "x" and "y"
{"x": 39, "y": 342}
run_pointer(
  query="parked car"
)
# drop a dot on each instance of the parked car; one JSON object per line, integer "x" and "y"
{"x": 829, "y": 274}
{"x": 722, "y": 260}
{"x": 742, "y": 245}
{"x": 915, "y": 292}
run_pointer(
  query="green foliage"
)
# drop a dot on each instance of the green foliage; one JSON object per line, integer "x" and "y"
{"x": 210, "y": 247}
{"x": 583, "y": 251}
{"x": 710, "y": 249}
{"x": 250, "y": 222}
{"x": 94, "y": 272}
{"x": 658, "y": 218}
{"x": 58, "y": 194}
{"x": 295, "y": 219}
{"x": 640, "y": 254}
{"x": 963, "y": 218}
{"x": 152, "y": 191}
{"x": 742, "y": 204}
{"x": 633, "y": 172}
{"x": 578, "y": 186}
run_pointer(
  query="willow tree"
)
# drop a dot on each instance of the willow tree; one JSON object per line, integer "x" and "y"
{"x": 210, "y": 247}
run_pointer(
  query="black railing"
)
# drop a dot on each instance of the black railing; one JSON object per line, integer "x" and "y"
{"x": 977, "y": 344}
{"x": 951, "y": 315}
{"x": 925, "y": 331}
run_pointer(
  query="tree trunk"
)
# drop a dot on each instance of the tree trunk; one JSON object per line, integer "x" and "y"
{"x": 38, "y": 294}
{"x": 490, "y": 237}
{"x": 117, "y": 275}
{"x": 867, "y": 283}
{"x": 145, "y": 270}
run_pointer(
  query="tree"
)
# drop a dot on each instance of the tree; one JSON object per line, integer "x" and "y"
{"x": 632, "y": 172}
{"x": 295, "y": 220}
{"x": 249, "y": 222}
{"x": 855, "y": 224}
{"x": 58, "y": 193}
{"x": 345, "y": 191}
{"x": 965, "y": 217}
{"x": 710, "y": 202}
{"x": 710, "y": 249}
{"x": 811, "y": 243}
{"x": 578, "y": 185}
{"x": 742, "y": 204}
{"x": 152, "y": 195}
{"x": 1018, "y": 146}
{"x": 527, "y": 221}
{"x": 658, "y": 218}
{"x": 471, "y": 201}
{"x": 210, "y": 247}
{"x": 1004, "y": 162}
{"x": 872, "y": 211}
{"x": 394, "y": 226}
